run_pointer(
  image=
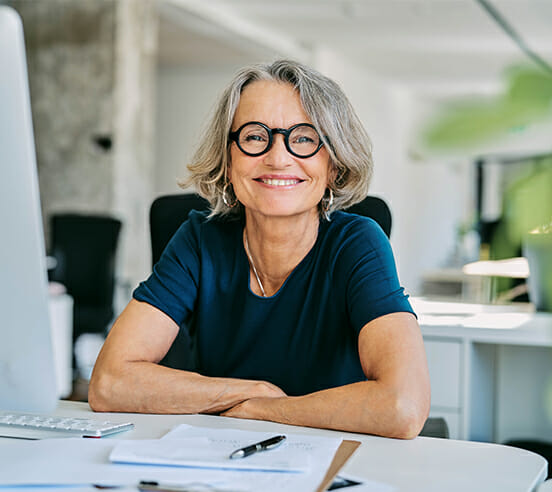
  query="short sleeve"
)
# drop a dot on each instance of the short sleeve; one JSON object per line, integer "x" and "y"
{"x": 373, "y": 287}
{"x": 173, "y": 285}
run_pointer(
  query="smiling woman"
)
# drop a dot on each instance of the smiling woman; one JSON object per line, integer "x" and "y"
{"x": 294, "y": 307}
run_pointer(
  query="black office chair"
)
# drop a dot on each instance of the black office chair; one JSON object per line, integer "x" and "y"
{"x": 435, "y": 427}
{"x": 84, "y": 247}
{"x": 376, "y": 208}
{"x": 167, "y": 214}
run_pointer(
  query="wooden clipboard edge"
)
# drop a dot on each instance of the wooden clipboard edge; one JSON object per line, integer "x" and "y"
{"x": 343, "y": 453}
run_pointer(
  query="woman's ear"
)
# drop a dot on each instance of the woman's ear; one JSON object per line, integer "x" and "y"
{"x": 229, "y": 172}
{"x": 332, "y": 173}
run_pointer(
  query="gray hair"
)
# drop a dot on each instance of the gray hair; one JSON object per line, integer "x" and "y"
{"x": 331, "y": 113}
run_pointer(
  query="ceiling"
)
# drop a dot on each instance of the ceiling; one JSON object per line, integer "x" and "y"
{"x": 431, "y": 45}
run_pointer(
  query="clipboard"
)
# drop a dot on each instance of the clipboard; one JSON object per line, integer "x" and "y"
{"x": 343, "y": 453}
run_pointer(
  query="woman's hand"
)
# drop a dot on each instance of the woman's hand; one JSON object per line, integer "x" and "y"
{"x": 254, "y": 408}
{"x": 249, "y": 390}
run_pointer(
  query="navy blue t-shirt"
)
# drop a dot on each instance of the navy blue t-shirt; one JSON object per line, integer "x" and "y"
{"x": 304, "y": 338}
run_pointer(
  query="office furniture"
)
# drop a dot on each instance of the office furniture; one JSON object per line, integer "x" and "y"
{"x": 85, "y": 247}
{"x": 490, "y": 369}
{"x": 435, "y": 427}
{"x": 376, "y": 208}
{"x": 167, "y": 214}
{"x": 421, "y": 464}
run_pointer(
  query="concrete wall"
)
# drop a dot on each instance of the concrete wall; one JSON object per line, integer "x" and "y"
{"x": 92, "y": 67}
{"x": 71, "y": 57}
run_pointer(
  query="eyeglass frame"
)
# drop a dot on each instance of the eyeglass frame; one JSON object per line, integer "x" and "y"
{"x": 234, "y": 136}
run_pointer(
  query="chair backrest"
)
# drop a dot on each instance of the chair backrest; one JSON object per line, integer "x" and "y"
{"x": 84, "y": 247}
{"x": 167, "y": 214}
{"x": 375, "y": 208}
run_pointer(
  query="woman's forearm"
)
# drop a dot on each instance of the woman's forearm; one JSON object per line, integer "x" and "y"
{"x": 127, "y": 377}
{"x": 146, "y": 387}
{"x": 366, "y": 407}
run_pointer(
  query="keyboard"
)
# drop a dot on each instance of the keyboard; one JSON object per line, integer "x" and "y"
{"x": 29, "y": 426}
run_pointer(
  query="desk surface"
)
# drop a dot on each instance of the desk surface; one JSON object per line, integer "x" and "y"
{"x": 422, "y": 464}
{"x": 509, "y": 324}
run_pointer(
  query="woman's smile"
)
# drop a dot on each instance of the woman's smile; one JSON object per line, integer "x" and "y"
{"x": 287, "y": 182}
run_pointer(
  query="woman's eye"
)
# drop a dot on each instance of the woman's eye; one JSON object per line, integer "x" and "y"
{"x": 254, "y": 137}
{"x": 303, "y": 139}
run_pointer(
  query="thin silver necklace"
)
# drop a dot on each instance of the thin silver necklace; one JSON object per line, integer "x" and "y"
{"x": 253, "y": 264}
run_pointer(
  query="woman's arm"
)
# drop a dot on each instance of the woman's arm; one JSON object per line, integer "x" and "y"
{"x": 394, "y": 402}
{"x": 127, "y": 378}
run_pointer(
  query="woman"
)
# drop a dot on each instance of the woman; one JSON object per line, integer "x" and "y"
{"x": 295, "y": 308}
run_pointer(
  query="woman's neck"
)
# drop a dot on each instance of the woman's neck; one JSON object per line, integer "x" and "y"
{"x": 275, "y": 246}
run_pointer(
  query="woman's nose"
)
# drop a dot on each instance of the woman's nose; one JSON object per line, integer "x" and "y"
{"x": 278, "y": 155}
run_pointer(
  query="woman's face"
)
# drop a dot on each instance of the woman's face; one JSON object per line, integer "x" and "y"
{"x": 277, "y": 183}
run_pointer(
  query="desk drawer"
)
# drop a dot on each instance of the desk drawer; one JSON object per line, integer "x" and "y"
{"x": 444, "y": 361}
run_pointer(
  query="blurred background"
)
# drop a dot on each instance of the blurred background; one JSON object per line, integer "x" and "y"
{"x": 455, "y": 94}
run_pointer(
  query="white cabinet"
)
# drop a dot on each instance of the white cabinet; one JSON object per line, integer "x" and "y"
{"x": 444, "y": 359}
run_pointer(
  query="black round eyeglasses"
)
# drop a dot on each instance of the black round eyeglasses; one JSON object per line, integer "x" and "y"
{"x": 255, "y": 138}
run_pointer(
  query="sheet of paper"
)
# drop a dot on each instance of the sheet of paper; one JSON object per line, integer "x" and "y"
{"x": 318, "y": 450}
{"x": 206, "y": 452}
{"x": 86, "y": 461}
{"x": 203, "y": 446}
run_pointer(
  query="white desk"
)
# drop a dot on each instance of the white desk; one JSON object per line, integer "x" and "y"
{"x": 491, "y": 369}
{"x": 422, "y": 464}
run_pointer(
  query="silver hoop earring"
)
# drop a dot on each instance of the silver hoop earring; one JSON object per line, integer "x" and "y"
{"x": 227, "y": 202}
{"x": 327, "y": 202}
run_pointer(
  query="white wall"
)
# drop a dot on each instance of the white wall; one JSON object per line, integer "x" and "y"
{"x": 185, "y": 98}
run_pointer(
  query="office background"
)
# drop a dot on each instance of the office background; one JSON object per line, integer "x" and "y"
{"x": 121, "y": 89}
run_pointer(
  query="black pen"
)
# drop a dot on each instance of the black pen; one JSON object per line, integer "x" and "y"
{"x": 260, "y": 446}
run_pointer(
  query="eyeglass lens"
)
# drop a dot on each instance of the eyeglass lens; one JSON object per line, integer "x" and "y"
{"x": 302, "y": 140}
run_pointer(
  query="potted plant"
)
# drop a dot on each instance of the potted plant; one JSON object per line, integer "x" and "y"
{"x": 537, "y": 248}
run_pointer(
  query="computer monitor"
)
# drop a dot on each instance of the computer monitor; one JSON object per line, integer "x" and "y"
{"x": 27, "y": 371}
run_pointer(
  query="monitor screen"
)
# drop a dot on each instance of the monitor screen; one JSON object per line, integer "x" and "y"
{"x": 27, "y": 374}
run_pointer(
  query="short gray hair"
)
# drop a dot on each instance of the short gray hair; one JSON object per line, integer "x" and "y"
{"x": 331, "y": 113}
